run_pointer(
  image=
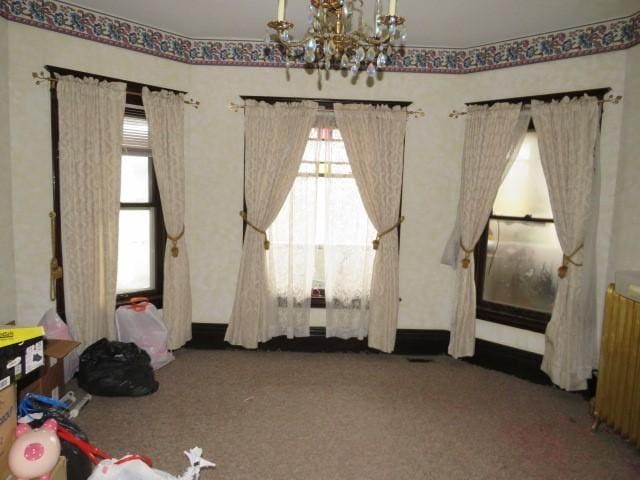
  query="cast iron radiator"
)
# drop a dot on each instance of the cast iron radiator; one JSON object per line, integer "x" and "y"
{"x": 618, "y": 393}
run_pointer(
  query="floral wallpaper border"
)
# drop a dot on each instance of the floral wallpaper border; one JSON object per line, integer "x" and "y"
{"x": 80, "y": 22}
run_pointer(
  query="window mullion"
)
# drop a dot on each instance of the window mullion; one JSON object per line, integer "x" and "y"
{"x": 138, "y": 206}
{"x": 525, "y": 218}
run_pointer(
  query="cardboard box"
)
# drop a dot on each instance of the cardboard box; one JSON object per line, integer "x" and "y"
{"x": 51, "y": 381}
{"x": 53, "y": 378}
{"x": 21, "y": 353}
{"x": 59, "y": 472}
{"x": 7, "y": 426}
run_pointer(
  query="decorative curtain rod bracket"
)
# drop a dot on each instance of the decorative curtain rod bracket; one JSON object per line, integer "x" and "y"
{"x": 41, "y": 78}
{"x": 614, "y": 99}
{"x": 235, "y": 107}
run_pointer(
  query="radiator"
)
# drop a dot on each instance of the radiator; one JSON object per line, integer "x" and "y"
{"x": 617, "y": 400}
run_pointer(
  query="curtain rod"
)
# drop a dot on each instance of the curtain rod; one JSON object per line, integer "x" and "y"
{"x": 610, "y": 99}
{"x": 234, "y": 107}
{"x": 40, "y": 78}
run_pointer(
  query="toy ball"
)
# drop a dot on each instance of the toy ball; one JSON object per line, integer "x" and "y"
{"x": 35, "y": 452}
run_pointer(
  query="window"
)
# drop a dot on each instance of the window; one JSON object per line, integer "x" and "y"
{"x": 140, "y": 237}
{"x": 518, "y": 253}
{"x": 322, "y": 235}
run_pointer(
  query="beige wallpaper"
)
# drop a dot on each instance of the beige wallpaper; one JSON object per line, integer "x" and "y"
{"x": 30, "y": 50}
{"x": 626, "y": 231}
{"x": 7, "y": 277}
{"x": 214, "y": 152}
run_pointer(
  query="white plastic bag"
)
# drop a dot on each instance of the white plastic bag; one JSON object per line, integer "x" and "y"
{"x": 56, "y": 329}
{"x": 129, "y": 470}
{"x": 134, "y": 469}
{"x": 141, "y": 324}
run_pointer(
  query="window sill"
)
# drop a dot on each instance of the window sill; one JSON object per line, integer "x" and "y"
{"x": 153, "y": 296}
{"x": 318, "y": 302}
{"x": 513, "y": 317}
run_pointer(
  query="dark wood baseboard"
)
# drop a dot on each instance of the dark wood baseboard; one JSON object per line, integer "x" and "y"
{"x": 408, "y": 342}
{"x": 525, "y": 365}
{"x": 520, "y": 363}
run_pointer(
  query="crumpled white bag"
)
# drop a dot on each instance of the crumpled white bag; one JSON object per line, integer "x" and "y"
{"x": 136, "y": 469}
{"x": 147, "y": 330}
{"x": 56, "y": 329}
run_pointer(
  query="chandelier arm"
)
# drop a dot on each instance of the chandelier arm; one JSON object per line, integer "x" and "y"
{"x": 292, "y": 43}
{"x": 364, "y": 40}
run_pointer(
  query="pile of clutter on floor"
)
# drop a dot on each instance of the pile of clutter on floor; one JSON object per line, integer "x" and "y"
{"x": 40, "y": 439}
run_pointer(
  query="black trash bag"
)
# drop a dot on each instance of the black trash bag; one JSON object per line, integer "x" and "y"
{"x": 116, "y": 369}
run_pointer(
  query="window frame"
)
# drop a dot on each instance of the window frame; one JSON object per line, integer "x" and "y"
{"x": 512, "y": 316}
{"x": 327, "y": 104}
{"x": 133, "y": 99}
{"x": 159, "y": 234}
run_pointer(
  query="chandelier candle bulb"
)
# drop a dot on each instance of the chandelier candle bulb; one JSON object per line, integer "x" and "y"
{"x": 392, "y": 8}
{"x": 281, "y": 4}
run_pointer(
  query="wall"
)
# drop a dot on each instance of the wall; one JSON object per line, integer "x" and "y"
{"x": 214, "y": 149}
{"x": 30, "y": 50}
{"x": 626, "y": 231}
{"x": 7, "y": 279}
{"x": 431, "y": 183}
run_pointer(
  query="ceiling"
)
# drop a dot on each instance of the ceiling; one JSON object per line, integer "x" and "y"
{"x": 433, "y": 23}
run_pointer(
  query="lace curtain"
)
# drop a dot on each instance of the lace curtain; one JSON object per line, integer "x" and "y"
{"x": 165, "y": 112}
{"x": 322, "y": 239}
{"x": 568, "y": 134}
{"x": 90, "y": 121}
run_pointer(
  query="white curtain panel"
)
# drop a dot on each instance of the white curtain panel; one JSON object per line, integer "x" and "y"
{"x": 374, "y": 139}
{"x": 492, "y": 138}
{"x": 90, "y": 123}
{"x": 275, "y": 138}
{"x": 568, "y": 135}
{"x": 165, "y": 114}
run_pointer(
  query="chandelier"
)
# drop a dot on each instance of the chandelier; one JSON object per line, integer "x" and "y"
{"x": 335, "y": 38}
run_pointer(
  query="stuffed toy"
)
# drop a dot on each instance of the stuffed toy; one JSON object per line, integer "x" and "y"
{"x": 35, "y": 452}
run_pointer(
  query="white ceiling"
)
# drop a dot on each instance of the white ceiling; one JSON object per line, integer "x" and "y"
{"x": 434, "y": 23}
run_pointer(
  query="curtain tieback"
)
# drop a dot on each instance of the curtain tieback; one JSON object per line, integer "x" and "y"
{"x": 376, "y": 242}
{"x": 259, "y": 230}
{"x": 174, "y": 240}
{"x": 467, "y": 252}
{"x": 568, "y": 259}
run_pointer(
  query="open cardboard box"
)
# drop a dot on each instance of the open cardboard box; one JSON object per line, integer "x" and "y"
{"x": 51, "y": 381}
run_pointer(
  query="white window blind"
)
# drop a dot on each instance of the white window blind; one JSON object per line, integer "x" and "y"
{"x": 135, "y": 134}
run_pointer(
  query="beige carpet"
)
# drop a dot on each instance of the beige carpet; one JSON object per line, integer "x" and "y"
{"x": 278, "y": 415}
